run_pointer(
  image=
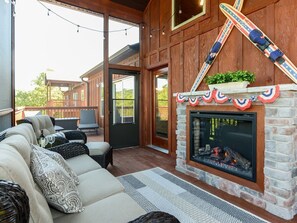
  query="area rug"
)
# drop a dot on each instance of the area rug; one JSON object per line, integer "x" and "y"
{"x": 157, "y": 189}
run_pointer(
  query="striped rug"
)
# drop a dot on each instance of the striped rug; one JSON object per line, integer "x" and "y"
{"x": 156, "y": 189}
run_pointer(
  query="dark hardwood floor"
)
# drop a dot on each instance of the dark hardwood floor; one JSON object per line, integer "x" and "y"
{"x": 131, "y": 160}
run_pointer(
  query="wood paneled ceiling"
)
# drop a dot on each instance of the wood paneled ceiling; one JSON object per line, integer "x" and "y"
{"x": 135, "y": 4}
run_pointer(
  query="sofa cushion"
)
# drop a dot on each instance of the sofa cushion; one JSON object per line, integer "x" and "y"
{"x": 57, "y": 186}
{"x": 14, "y": 168}
{"x": 25, "y": 130}
{"x": 118, "y": 208}
{"x": 41, "y": 122}
{"x": 60, "y": 160}
{"x": 82, "y": 164}
{"x": 96, "y": 185}
{"x": 19, "y": 143}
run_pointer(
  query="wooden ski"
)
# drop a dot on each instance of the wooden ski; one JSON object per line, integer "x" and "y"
{"x": 260, "y": 40}
{"x": 216, "y": 47}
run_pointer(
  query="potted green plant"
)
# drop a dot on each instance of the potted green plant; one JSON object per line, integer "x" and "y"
{"x": 235, "y": 79}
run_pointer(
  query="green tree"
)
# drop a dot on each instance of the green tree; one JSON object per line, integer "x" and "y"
{"x": 38, "y": 96}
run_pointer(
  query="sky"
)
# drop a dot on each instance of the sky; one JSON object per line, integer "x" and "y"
{"x": 47, "y": 43}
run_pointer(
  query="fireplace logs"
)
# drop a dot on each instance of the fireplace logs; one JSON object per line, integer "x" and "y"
{"x": 237, "y": 158}
{"x": 225, "y": 155}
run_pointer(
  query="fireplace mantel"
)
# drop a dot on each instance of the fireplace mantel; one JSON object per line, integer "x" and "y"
{"x": 283, "y": 87}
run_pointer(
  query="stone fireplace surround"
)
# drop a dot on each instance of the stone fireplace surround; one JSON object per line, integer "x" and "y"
{"x": 279, "y": 193}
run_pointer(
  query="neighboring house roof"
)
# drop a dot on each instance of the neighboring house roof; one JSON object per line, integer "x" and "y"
{"x": 119, "y": 56}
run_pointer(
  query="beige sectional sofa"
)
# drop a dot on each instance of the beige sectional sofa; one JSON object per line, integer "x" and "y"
{"x": 102, "y": 195}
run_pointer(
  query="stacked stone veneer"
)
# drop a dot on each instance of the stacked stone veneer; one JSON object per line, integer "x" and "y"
{"x": 280, "y": 161}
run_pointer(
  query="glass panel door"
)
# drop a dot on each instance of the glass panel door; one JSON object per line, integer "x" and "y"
{"x": 124, "y": 121}
{"x": 160, "y": 108}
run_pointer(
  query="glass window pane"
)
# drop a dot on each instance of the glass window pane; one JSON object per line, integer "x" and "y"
{"x": 186, "y": 11}
{"x": 161, "y": 106}
{"x": 123, "y": 86}
{"x": 123, "y": 111}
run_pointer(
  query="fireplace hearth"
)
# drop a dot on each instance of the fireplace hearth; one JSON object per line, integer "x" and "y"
{"x": 225, "y": 141}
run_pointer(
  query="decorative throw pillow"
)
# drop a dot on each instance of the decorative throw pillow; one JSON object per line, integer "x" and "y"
{"x": 60, "y": 160}
{"x": 57, "y": 186}
{"x": 57, "y": 134}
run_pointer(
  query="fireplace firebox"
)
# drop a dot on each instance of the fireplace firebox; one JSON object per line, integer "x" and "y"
{"x": 225, "y": 141}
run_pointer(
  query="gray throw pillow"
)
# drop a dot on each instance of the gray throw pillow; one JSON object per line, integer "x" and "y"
{"x": 60, "y": 160}
{"x": 57, "y": 134}
{"x": 57, "y": 186}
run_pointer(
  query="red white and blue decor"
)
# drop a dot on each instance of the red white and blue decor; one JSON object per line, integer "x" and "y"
{"x": 219, "y": 97}
{"x": 180, "y": 98}
{"x": 194, "y": 101}
{"x": 207, "y": 97}
{"x": 270, "y": 95}
{"x": 242, "y": 104}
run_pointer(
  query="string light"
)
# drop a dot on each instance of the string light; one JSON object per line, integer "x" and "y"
{"x": 180, "y": 10}
{"x": 13, "y": 2}
{"x": 80, "y": 26}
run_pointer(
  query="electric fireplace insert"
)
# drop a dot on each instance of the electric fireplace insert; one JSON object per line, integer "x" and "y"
{"x": 225, "y": 141}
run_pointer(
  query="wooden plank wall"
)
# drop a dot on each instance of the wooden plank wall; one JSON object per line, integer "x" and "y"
{"x": 185, "y": 49}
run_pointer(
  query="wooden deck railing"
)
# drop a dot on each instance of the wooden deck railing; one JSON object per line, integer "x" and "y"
{"x": 56, "y": 112}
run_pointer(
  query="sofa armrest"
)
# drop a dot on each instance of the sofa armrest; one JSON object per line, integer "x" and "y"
{"x": 14, "y": 203}
{"x": 75, "y": 135}
{"x": 71, "y": 149}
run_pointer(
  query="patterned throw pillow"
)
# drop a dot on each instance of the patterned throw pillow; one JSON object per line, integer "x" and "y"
{"x": 57, "y": 186}
{"x": 60, "y": 160}
{"x": 58, "y": 134}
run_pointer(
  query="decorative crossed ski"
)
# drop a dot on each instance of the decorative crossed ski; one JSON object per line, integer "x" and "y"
{"x": 216, "y": 47}
{"x": 260, "y": 40}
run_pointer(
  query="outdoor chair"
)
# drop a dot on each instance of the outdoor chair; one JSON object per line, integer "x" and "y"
{"x": 88, "y": 121}
{"x": 46, "y": 123}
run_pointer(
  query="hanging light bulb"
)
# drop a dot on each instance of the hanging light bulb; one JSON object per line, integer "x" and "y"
{"x": 48, "y": 12}
{"x": 163, "y": 32}
{"x": 125, "y": 32}
{"x": 151, "y": 35}
{"x": 180, "y": 10}
{"x": 77, "y": 29}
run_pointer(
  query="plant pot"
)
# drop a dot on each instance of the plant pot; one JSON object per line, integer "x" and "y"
{"x": 229, "y": 85}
